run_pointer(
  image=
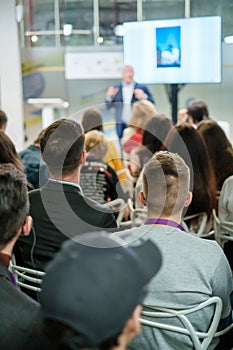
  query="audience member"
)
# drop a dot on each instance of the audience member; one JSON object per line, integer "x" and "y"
{"x": 36, "y": 169}
{"x": 98, "y": 180}
{"x": 220, "y": 150}
{"x": 188, "y": 143}
{"x": 197, "y": 111}
{"x": 3, "y": 120}
{"x": 59, "y": 207}
{"x": 8, "y": 152}
{"x": 225, "y": 212}
{"x": 123, "y": 95}
{"x": 153, "y": 138}
{"x": 193, "y": 269}
{"x": 92, "y": 120}
{"x": 92, "y": 292}
{"x": 182, "y": 116}
{"x": 142, "y": 112}
{"x": 21, "y": 322}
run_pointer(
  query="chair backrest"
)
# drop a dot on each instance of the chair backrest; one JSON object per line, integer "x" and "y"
{"x": 201, "y": 340}
{"x": 137, "y": 215}
{"x": 223, "y": 230}
{"x": 201, "y": 227}
{"x": 27, "y": 278}
{"x": 117, "y": 206}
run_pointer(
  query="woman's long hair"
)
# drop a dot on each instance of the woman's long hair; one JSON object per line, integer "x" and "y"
{"x": 219, "y": 148}
{"x": 8, "y": 152}
{"x": 189, "y": 144}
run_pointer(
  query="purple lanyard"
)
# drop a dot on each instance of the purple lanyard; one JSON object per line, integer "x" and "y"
{"x": 13, "y": 281}
{"x": 158, "y": 221}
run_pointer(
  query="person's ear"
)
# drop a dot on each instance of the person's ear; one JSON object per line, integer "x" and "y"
{"x": 27, "y": 225}
{"x": 189, "y": 199}
{"x": 83, "y": 156}
{"x": 133, "y": 326}
{"x": 142, "y": 198}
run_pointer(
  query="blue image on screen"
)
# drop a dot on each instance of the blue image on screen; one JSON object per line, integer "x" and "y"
{"x": 168, "y": 47}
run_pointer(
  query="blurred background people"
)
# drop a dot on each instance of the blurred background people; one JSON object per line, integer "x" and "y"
{"x": 3, "y": 120}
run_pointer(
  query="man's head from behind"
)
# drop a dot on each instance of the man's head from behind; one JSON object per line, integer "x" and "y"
{"x": 92, "y": 291}
{"x": 166, "y": 180}
{"x": 14, "y": 204}
{"x": 62, "y": 147}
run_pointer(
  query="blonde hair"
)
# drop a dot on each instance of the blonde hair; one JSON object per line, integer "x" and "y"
{"x": 142, "y": 112}
{"x": 96, "y": 143}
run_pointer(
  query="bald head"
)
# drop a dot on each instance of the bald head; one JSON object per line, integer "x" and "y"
{"x": 127, "y": 74}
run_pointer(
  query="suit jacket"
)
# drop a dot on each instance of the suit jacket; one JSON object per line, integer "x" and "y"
{"x": 21, "y": 321}
{"x": 117, "y": 100}
{"x": 59, "y": 212}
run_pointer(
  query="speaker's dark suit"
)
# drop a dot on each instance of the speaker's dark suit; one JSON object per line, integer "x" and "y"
{"x": 59, "y": 212}
{"x": 21, "y": 321}
{"x": 118, "y": 103}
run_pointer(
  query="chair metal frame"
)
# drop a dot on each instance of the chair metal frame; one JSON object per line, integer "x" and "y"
{"x": 201, "y": 340}
{"x": 117, "y": 206}
{"x": 223, "y": 230}
{"x": 202, "y": 227}
{"x": 25, "y": 276}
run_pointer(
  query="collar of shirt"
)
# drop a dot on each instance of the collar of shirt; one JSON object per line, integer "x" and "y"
{"x": 131, "y": 85}
{"x": 5, "y": 259}
{"x": 67, "y": 183}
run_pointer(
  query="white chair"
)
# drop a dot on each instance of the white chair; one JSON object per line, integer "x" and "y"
{"x": 202, "y": 223}
{"x": 200, "y": 340}
{"x": 223, "y": 230}
{"x": 117, "y": 206}
{"x": 27, "y": 278}
{"x": 137, "y": 215}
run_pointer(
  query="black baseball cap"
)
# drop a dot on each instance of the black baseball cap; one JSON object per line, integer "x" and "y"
{"x": 93, "y": 285}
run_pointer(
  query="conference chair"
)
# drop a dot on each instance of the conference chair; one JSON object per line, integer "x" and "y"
{"x": 201, "y": 340}
{"x": 117, "y": 206}
{"x": 200, "y": 231}
{"x": 223, "y": 230}
{"x": 27, "y": 278}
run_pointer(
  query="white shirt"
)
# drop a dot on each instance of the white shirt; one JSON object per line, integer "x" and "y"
{"x": 127, "y": 94}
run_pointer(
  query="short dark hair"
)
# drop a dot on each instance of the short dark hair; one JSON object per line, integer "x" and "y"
{"x": 198, "y": 110}
{"x": 62, "y": 145}
{"x": 14, "y": 205}
{"x": 92, "y": 120}
{"x": 3, "y": 118}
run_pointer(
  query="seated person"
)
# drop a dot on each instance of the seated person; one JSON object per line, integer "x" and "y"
{"x": 92, "y": 120}
{"x": 21, "y": 321}
{"x": 36, "y": 170}
{"x": 59, "y": 207}
{"x": 142, "y": 112}
{"x": 197, "y": 111}
{"x": 193, "y": 269}
{"x": 93, "y": 289}
{"x": 98, "y": 180}
{"x": 225, "y": 212}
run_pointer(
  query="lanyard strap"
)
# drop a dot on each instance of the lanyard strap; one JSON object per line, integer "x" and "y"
{"x": 158, "y": 221}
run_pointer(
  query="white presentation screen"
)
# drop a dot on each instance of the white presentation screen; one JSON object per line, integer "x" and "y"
{"x": 174, "y": 51}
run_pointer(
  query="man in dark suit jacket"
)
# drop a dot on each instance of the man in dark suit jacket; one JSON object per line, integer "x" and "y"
{"x": 123, "y": 95}
{"x": 21, "y": 321}
{"x": 59, "y": 209}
